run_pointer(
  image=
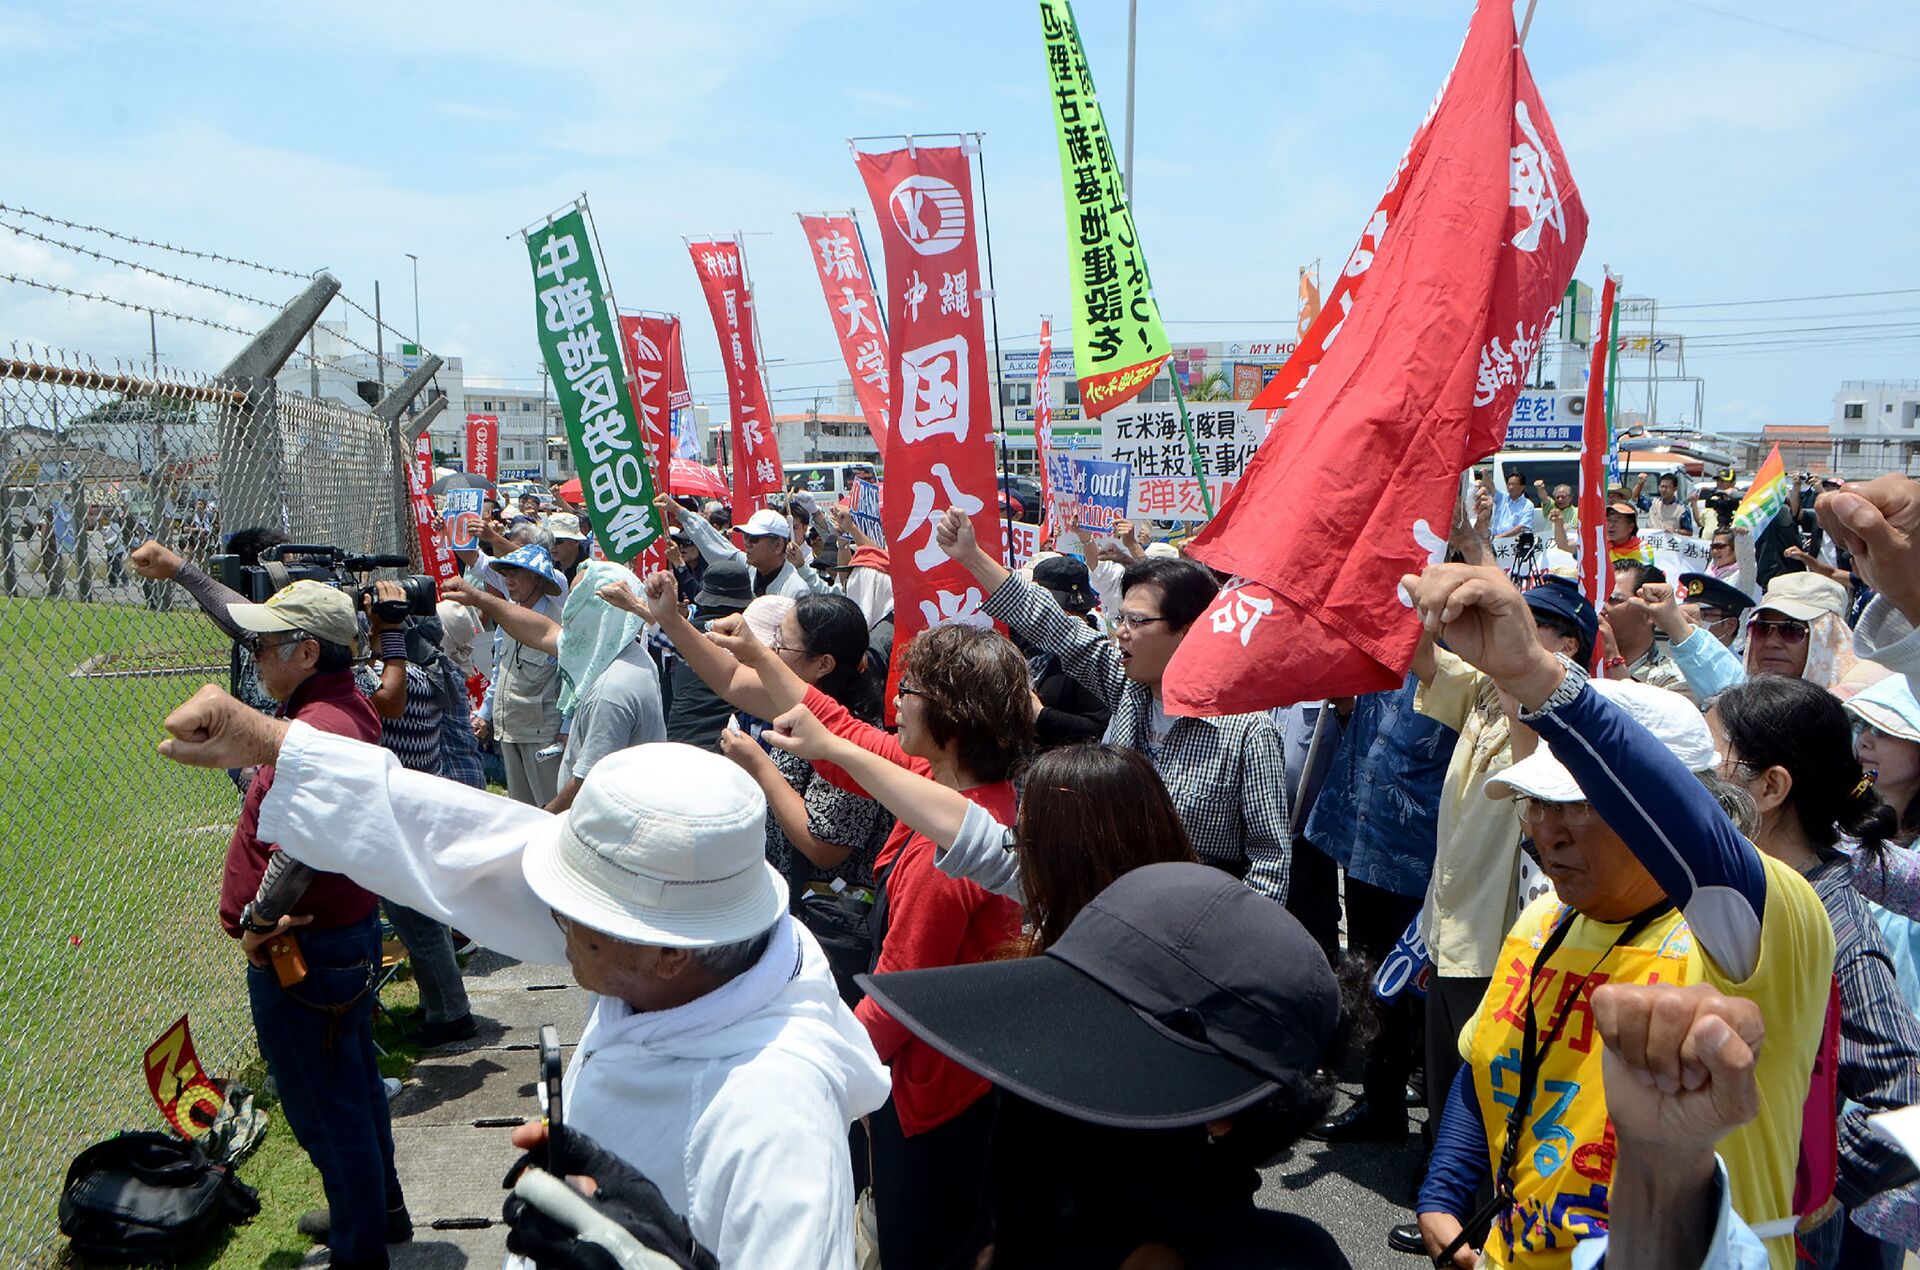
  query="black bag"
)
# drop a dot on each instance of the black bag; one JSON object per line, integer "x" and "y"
{"x": 149, "y": 1198}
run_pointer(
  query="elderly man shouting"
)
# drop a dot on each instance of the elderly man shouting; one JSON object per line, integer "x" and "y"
{"x": 718, "y": 1058}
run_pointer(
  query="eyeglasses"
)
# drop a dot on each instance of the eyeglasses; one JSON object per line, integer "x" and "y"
{"x": 906, "y": 689}
{"x": 774, "y": 645}
{"x": 1132, "y": 621}
{"x": 1862, "y": 728}
{"x": 1535, "y": 812}
{"x": 1787, "y": 631}
{"x": 256, "y": 644}
{"x": 1722, "y": 546}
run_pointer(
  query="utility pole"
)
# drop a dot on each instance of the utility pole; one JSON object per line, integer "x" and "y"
{"x": 153, "y": 339}
{"x": 416, "y": 296}
{"x": 545, "y": 422}
{"x": 1133, "y": 24}
{"x": 379, "y": 342}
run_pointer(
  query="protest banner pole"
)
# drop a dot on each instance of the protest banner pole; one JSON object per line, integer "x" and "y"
{"x": 759, "y": 348}
{"x": 1195, "y": 458}
{"x": 866, "y": 262}
{"x": 971, "y": 141}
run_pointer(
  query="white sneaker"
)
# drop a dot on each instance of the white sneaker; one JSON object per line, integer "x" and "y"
{"x": 392, "y": 1086}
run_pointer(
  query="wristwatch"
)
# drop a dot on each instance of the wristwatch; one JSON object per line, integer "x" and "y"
{"x": 252, "y": 927}
{"x": 1569, "y": 688}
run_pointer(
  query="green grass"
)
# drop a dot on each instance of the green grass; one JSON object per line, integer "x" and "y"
{"x": 110, "y": 860}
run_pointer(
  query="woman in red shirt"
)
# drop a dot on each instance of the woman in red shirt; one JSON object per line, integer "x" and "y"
{"x": 965, "y": 711}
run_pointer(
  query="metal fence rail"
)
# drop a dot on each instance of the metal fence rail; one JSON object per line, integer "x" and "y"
{"x": 111, "y": 859}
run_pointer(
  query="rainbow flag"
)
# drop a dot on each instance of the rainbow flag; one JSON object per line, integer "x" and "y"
{"x": 1765, "y": 497}
{"x": 1634, "y": 548}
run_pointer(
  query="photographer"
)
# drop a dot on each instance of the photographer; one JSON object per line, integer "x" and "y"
{"x": 313, "y": 1009}
{"x": 413, "y": 700}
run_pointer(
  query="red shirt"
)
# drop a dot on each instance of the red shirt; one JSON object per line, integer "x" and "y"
{"x": 932, "y": 920}
{"x": 333, "y": 703}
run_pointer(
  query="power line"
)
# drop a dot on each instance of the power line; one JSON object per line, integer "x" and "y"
{"x": 148, "y": 242}
{"x": 134, "y": 264}
{"x": 1805, "y": 35}
{"x": 1789, "y": 299}
{"x": 125, "y": 304}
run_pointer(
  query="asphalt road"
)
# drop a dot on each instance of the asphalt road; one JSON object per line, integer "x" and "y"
{"x": 1357, "y": 1192}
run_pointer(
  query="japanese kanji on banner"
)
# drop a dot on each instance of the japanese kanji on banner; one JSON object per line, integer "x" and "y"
{"x": 1052, "y": 493}
{"x": 483, "y": 446}
{"x": 1357, "y": 486}
{"x": 1119, "y": 342}
{"x": 859, "y": 320}
{"x": 652, "y": 344}
{"x": 434, "y": 556}
{"x": 579, "y": 334}
{"x": 941, "y": 452}
{"x": 756, "y": 453}
{"x": 1148, "y": 438}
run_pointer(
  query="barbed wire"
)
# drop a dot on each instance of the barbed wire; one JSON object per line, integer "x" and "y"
{"x": 148, "y": 242}
{"x": 134, "y": 264}
{"x": 125, "y": 304}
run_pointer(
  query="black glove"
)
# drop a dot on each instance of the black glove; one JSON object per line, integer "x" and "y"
{"x": 551, "y": 1223}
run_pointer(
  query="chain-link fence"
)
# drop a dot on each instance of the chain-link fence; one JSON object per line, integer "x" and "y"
{"x": 111, "y": 856}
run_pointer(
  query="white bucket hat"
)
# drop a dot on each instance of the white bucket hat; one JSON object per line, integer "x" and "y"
{"x": 665, "y": 845}
{"x": 1673, "y": 720}
{"x": 1888, "y": 704}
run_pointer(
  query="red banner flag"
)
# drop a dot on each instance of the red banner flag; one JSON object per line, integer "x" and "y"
{"x": 1359, "y": 489}
{"x": 651, "y": 342}
{"x": 1051, "y": 521}
{"x": 858, "y": 318}
{"x": 941, "y": 451}
{"x": 483, "y": 446}
{"x": 434, "y": 556}
{"x": 756, "y": 453}
{"x": 1596, "y": 563}
{"x": 179, "y": 1084}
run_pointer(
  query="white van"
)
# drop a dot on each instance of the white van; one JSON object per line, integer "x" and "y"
{"x": 827, "y": 480}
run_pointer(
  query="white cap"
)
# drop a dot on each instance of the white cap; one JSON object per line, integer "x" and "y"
{"x": 1888, "y": 704}
{"x": 665, "y": 845}
{"x": 766, "y": 523}
{"x": 565, "y": 525}
{"x": 1673, "y": 720}
{"x": 765, "y": 614}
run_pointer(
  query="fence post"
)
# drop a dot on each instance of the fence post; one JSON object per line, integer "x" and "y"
{"x": 252, "y": 459}
{"x": 12, "y": 571}
{"x": 82, "y": 569}
{"x": 392, "y": 411}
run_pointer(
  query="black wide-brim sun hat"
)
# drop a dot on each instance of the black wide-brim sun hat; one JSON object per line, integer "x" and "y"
{"x": 1043, "y": 1030}
{"x": 1175, "y": 997}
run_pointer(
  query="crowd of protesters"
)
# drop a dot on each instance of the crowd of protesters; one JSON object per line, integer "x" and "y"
{"x": 969, "y": 953}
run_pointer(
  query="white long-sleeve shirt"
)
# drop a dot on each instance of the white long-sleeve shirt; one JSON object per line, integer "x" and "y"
{"x": 714, "y": 547}
{"x": 736, "y": 1105}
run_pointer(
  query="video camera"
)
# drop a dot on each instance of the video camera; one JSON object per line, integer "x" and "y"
{"x": 1723, "y": 503}
{"x": 290, "y": 562}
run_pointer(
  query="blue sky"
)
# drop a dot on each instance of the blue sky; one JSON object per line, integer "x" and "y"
{"x": 1719, "y": 159}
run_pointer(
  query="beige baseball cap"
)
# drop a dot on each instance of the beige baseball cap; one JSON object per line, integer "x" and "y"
{"x": 305, "y": 605}
{"x": 1804, "y": 596}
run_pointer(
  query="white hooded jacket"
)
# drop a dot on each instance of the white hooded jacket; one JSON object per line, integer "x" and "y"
{"x": 736, "y": 1104}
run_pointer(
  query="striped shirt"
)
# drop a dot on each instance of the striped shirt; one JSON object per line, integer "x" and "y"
{"x": 414, "y": 737}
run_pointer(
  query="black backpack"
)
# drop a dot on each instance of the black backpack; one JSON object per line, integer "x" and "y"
{"x": 149, "y": 1198}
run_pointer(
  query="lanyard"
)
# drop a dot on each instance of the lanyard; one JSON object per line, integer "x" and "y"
{"x": 1533, "y": 1051}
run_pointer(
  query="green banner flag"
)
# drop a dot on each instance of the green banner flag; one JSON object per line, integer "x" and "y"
{"x": 1118, "y": 341}
{"x": 580, "y": 339}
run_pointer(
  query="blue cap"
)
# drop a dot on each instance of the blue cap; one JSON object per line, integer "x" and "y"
{"x": 1560, "y": 598}
{"x": 535, "y": 559}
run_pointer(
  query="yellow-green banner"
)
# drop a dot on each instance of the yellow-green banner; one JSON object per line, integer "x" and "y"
{"x": 1119, "y": 344}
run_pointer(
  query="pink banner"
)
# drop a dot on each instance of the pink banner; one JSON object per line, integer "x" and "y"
{"x": 941, "y": 452}
{"x": 858, "y": 319}
{"x": 756, "y": 452}
{"x": 434, "y": 556}
{"x": 483, "y": 446}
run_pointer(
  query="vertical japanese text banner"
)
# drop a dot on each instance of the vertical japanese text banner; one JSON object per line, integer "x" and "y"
{"x": 434, "y": 556}
{"x": 1119, "y": 342}
{"x": 579, "y": 334}
{"x": 856, "y": 313}
{"x": 756, "y": 453}
{"x": 483, "y": 445}
{"x": 941, "y": 452}
{"x": 649, "y": 341}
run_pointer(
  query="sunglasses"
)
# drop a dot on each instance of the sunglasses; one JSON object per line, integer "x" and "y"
{"x": 1535, "y": 812}
{"x": 1787, "y": 631}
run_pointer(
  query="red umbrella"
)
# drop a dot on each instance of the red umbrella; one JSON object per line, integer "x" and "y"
{"x": 686, "y": 478}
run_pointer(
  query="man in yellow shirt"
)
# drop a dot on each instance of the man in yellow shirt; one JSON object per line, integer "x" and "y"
{"x": 1654, "y": 884}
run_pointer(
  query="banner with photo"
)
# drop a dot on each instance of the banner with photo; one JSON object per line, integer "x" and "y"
{"x": 579, "y": 340}
{"x": 462, "y": 514}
